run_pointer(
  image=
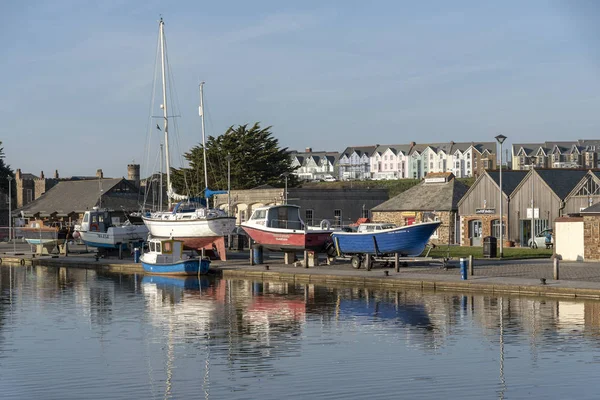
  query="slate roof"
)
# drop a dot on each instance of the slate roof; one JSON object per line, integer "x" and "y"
{"x": 78, "y": 196}
{"x": 427, "y": 197}
{"x": 510, "y": 179}
{"x": 593, "y": 209}
{"x": 561, "y": 181}
{"x": 360, "y": 150}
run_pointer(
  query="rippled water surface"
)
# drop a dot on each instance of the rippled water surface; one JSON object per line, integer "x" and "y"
{"x": 81, "y": 334}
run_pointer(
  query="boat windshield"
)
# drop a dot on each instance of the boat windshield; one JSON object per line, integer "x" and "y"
{"x": 259, "y": 214}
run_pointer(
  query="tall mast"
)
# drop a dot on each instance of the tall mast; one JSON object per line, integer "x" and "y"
{"x": 164, "y": 104}
{"x": 201, "y": 112}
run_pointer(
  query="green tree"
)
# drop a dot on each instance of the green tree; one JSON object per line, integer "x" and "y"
{"x": 256, "y": 159}
{"x": 5, "y": 172}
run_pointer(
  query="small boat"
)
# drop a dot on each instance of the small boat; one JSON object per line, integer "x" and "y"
{"x": 38, "y": 233}
{"x": 385, "y": 239}
{"x": 166, "y": 257}
{"x": 280, "y": 228}
{"x": 103, "y": 228}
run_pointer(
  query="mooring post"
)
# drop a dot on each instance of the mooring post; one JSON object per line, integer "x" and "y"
{"x": 556, "y": 268}
{"x": 397, "y": 262}
{"x": 471, "y": 265}
{"x": 305, "y": 258}
{"x": 251, "y": 255}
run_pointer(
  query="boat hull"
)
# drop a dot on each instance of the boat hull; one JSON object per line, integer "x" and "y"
{"x": 182, "y": 268}
{"x": 192, "y": 228}
{"x": 115, "y": 236}
{"x": 289, "y": 240}
{"x": 407, "y": 240}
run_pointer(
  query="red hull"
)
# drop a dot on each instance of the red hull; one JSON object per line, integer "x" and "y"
{"x": 214, "y": 246}
{"x": 289, "y": 240}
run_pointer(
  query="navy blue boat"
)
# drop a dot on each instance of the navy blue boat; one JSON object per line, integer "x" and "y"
{"x": 385, "y": 239}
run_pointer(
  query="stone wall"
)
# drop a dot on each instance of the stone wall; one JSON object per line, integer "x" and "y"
{"x": 486, "y": 226}
{"x": 591, "y": 238}
{"x": 445, "y": 231}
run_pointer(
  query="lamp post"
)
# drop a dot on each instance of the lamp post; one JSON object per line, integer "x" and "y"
{"x": 10, "y": 235}
{"x": 228, "y": 158}
{"x": 285, "y": 193}
{"x": 501, "y": 138}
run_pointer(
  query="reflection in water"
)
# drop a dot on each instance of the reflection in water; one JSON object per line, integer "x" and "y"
{"x": 172, "y": 337}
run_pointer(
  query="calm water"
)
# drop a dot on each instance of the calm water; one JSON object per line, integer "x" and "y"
{"x": 77, "y": 334}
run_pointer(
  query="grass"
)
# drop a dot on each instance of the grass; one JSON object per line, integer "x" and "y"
{"x": 510, "y": 253}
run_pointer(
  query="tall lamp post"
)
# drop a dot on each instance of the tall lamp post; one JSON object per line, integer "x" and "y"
{"x": 501, "y": 138}
{"x": 10, "y": 236}
{"x": 228, "y": 158}
{"x": 285, "y": 193}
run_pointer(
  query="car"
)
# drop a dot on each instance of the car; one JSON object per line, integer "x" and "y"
{"x": 539, "y": 241}
{"x": 329, "y": 178}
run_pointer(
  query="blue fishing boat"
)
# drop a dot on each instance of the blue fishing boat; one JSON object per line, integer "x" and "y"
{"x": 166, "y": 257}
{"x": 385, "y": 239}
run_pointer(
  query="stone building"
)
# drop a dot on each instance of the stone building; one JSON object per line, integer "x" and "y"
{"x": 591, "y": 233}
{"x": 434, "y": 199}
{"x": 341, "y": 207}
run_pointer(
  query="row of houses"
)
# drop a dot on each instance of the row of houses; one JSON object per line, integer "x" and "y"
{"x": 402, "y": 161}
{"x": 566, "y": 154}
{"x": 466, "y": 159}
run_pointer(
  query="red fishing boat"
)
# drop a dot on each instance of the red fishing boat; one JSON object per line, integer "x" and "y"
{"x": 280, "y": 228}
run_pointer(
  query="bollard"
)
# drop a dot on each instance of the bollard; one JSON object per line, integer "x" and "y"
{"x": 471, "y": 265}
{"x": 136, "y": 255}
{"x": 258, "y": 254}
{"x": 397, "y": 262}
{"x": 556, "y": 268}
{"x": 463, "y": 269}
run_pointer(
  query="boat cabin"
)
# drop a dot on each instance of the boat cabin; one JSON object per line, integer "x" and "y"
{"x": 100, "y": 219}
{"x": 165, "y": 251}
{"x": 375, "y": 227}
{"x": 282, "y": 216}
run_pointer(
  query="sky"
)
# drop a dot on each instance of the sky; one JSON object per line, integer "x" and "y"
{"x": 78, "y": 75}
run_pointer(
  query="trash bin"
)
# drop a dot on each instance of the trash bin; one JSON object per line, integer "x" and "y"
{"x": 490, "y": 244}
{"x": 257, "y": 252}
{"x": 136, "y": 255}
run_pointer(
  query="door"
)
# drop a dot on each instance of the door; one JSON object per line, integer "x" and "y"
{"x": 475, "y": 232}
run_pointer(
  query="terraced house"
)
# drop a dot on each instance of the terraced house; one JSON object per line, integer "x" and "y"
{"x": 314, "y": 165}
{"x": 574, "y": 154}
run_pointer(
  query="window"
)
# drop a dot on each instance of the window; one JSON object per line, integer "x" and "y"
{"x": 496, "y": 228}
{"x": 309, "y": 217}
{"x": 243, "y": 216}
{"x": 364, "y": 213}
{"x": 28, "y": 195}
{"x": 337, "y": 218}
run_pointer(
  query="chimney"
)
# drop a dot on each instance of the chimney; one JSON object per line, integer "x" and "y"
{"x": 42, "y": 175}
{"x": 413, "y": 144}
{"x": 308, "y": 150}
{"x": 56, "y": 174}
{"x": 18, "y": 174}
{"x": 99, "y": 174}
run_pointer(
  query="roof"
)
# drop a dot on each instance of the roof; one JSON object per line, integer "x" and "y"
{"x": 561, "y": 181}
{"x": 427, "y": 197}
{"x": 593, "y": 209}
{"x": 78, "y": 196}
{"x": 359, "y": 150}
{"x": 510, "y": 179}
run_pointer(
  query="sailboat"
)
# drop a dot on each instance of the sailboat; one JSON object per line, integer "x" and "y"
{"x": 192, "y": 222}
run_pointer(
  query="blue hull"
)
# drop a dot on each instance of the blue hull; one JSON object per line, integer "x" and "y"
{"x": 187, "y": 267}
{"x": 407, "y": 240}
{"x": 170, "y": 282}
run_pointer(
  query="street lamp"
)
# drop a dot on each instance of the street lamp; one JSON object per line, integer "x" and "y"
{"x": 501, "y": 138}
{"x": 228, "y": 158}
{"x": 285, "y": 193}
{"x": 10, "y": 211}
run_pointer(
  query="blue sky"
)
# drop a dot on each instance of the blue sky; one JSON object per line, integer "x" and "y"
{"x": 78, "y": 75}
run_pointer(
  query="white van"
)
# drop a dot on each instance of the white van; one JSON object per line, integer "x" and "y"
{"x": 329, "y": 178}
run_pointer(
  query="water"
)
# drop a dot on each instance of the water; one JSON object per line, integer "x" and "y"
{"x": 74, "y": 334}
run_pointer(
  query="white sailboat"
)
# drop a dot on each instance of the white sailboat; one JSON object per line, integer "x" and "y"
{"x": 197, "y": 225}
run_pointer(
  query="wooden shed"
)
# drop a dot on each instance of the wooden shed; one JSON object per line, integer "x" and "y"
{"x": 479, "y": 208}
{"x": 540, "y": 199}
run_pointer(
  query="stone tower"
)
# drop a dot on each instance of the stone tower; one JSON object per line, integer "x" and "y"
{"x": 133, "y": 174}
